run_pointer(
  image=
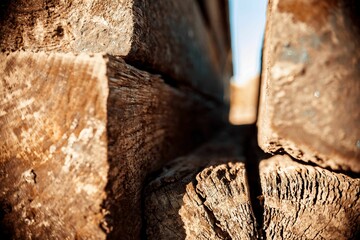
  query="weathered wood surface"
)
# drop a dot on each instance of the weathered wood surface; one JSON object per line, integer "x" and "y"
{"x": 164, "y": 36}
{"x": 203, "y": 195}
{"x": 216, "y": 16}
{"x": 78, "y": 136}
{"x": 307, "y": 202}
{"x": 158, "y": 123}
{"x": 311, "y": 90}
{"x": 53, "y": 164}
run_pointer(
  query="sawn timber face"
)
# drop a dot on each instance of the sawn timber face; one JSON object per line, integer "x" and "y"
{"x": 165, "y": 36}
{"x": 307, "y": 202}
{"x": 150, "y": 123}
{"x": 52, "y": 145}
{"x": 79, "y": 134}
{"x": 310, "y": 96}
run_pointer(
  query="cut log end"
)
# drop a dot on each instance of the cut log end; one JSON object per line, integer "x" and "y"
{"x": 53, "y": 144}
{"x": 79, "y": 135}
{"x": 217, "y": 205}
{"x": 203, "y": 195}
{"x": 307, "y": 202}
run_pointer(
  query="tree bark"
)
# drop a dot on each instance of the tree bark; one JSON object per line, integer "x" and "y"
{"x": 307, "y": 202}
{"x": 78, "y": 136}
{"x": 203, "y": 195}
{"x": 311, "y": 90}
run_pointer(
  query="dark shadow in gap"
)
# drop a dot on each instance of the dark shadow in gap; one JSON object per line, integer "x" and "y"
{"x": 254, "y": 155}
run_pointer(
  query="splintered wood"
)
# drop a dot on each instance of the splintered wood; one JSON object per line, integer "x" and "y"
{"x": 163, "y": 36}
{"x": 310, "y": 97}
{"x": 78, "y": 136}
{"x": 307, "y": 202}
{"x": 203, "y": 195}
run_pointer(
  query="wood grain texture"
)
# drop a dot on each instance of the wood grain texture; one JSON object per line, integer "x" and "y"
{"x": 216, "y": 17}
{"x": 52, "y": 145}
{"x": 166, "y": 36}
{"x": 203, "y": 195}
{"x": 307, "y": 202}
{"x": 310, "y": 95}
{"x": 78, "y": 136}
{"x": 158, "y": 123}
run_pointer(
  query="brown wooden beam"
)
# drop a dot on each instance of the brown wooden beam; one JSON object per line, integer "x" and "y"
{"x": 78, "y": 136}
{"x": 203, "y": 195}
{"x": 164, "y": 37}
{"x": 311, "y": 90}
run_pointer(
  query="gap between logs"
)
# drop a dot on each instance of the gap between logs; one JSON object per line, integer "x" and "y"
{"x": 178, "y": 85}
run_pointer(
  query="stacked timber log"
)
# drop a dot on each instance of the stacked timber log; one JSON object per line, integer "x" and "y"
{"x": 308, "y": 202}
{"x": 94, "y": 96}
{"x": 204, "y": 195}
{"x": 309, "y": 109}
{"x": 102, "y": 104}
{"x": 311, "y": 187}
{"x": 311, "y": 90}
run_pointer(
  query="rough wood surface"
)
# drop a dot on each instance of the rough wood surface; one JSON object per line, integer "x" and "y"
{"x": 53, "y": 165}
{"x": 78, "y": 136}
{"x": 203, "y": 195}
{"x": 216, "y": 16}
{"x": 216, "y": 19}
{"x": 163, "y": 36}
{"x": 311, "y": 90}
{"x": 158, "y": 123}
{"x": 307, "y": 202}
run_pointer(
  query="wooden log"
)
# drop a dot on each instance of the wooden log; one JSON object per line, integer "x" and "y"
{"x": 167, "y": 37}
{"x": 311, "y": 90}
{"x": 307, "y": 202}
{"x": 216, "y": 16}
{"x": 203, "y": 195}
{"x": 78, "y": 136}
{"x": 217, "y": 21}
